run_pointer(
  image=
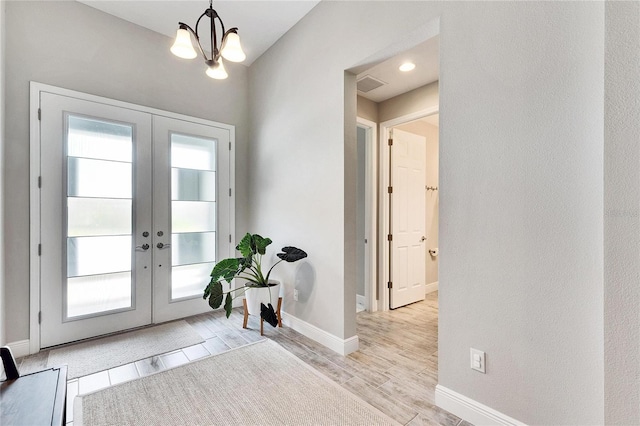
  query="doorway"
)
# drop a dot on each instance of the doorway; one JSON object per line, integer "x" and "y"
{"x": 366, "y": 219}
{"x": 393, "y": 92}
{"x": 133, "y": 207}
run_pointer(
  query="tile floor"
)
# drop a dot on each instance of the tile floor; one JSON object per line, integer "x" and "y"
{"x": 395, "y": 369}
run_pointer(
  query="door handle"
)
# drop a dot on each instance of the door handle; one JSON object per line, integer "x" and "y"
{"x": 144, "y": 247}
{"x": 163, "y": 246}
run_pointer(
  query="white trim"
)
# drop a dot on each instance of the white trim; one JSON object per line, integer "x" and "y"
{"x": 383, "y": 247}
{"x": 431, "y": 287}
{"x": 41, "y": 87}
{"x": 34, "y": 219}
{"x": 470, "y": 410}
{"x": 19, "y": 348}
{"x": 336, "y": 344}
{"x": 371, "y": 214}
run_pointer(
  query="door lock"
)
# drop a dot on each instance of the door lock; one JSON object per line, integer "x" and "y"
{"x": 423, "y": 238}
{"x": 145, "y": 234}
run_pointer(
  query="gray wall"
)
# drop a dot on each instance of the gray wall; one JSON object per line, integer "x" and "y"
{"x": 68, "y": 44}
{"x": 367, "y": 109}
{"x": 621, "y": 213}
{"x": 521, "y": 101}
{"x": 2, "y": 139}
{"x": 422, "y": 98}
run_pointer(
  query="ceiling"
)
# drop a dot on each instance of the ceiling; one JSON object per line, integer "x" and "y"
{"x": 260, "y": 23}
{"x": 426, "y": 58}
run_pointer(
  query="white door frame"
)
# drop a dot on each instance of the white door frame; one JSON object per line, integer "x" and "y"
{"x": 383, "y": 171}
{"x": 371, "y": 214}
{"x": 34, "y": 195}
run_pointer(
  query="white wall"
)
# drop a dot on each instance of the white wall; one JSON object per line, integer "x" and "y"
{"x": 521, "y": 101}
{"x": 621, "y": 213}
{"x": 68, "y": 44}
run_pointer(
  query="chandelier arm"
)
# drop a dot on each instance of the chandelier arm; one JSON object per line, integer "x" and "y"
{"x": 206, "y": 13}
{"x": 184, "y": 26}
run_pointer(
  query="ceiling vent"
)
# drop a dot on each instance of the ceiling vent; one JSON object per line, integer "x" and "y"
{"x": 368, "y": 83}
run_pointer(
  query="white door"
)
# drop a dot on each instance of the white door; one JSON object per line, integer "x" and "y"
{"x": 95, "y": 205}
{"x": 132, "y": 217}
{"x": 191, "y": 213}
{"x": 408, "y": 160}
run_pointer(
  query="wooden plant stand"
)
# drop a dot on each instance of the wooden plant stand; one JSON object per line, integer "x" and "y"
{"x": 246, "y": 315}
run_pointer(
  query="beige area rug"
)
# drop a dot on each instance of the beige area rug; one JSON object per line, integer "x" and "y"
{"x": 108, "y": 352}
{"x": 258, "y": 384}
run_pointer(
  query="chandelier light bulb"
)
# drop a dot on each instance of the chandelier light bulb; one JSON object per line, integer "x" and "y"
{"x": 232, "y": 50}
{"x": 182, "y": 47}
{"x": 217, "y": 71}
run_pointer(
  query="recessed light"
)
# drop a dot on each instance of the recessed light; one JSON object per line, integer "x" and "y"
{"x": 407, "y": 66}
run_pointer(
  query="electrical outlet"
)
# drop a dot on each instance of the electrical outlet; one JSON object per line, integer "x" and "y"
{"x": 478, "y": 361}
{"x": 295, "y": 294}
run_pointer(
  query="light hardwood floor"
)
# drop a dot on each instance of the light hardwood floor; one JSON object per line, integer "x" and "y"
{"x": 395, "y": 369}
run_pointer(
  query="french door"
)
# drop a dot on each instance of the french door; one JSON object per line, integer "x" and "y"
{"x": 133, "y": 209}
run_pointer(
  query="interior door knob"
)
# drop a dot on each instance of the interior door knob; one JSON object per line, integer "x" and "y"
{"x": 423, "y": 238}
{"x": 161, "y": 245}
{"x": 144, "y": 247}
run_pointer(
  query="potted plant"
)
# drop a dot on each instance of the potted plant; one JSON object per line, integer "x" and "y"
{"x": 249, "y": 268}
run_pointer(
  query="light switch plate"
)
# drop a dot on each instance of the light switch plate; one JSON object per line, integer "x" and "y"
{"x": 478, "y": 361}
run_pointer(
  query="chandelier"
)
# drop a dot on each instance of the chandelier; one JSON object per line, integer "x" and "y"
{"x": 229, "y": 49}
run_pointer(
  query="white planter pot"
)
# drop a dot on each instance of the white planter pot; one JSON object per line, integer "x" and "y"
{"x": 257, "y": 295}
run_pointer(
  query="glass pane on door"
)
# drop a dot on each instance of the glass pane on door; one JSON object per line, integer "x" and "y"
{"x": 193, "y": 214}
{"x": 99, "y": 177}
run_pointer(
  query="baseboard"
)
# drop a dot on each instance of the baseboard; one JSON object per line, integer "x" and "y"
{"x": 431, "y": 287}
{"x": 19, "y": 348}
{"x": 470, "y": 410}
{"x": 341, "y": 346}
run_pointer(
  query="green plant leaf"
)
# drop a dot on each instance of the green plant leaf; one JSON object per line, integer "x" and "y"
{"x": 252, "y": 244}
{"x": 228, "y": 304}
{"x": 261, "y": 243}
{"x": 244, "y": 246}
{"x": 226, "y": 269}
{"x": 292, "y": 254}
{"x": 215, "y": 299}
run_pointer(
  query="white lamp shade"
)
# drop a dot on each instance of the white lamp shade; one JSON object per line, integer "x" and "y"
{"x": 217, "y": 71}
{"x": 182, "y": 47}
{"x": 232, "y": 51}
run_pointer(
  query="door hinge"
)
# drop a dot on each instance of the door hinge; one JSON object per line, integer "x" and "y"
{"x": 389, "y": 284}
{"x": 229, "y": 146}
{"x": 39, "y": 181}
{"x": 39, "y": 114}
{"x": 390, "y": 189}
{"x": 389, "y": 237}
{"x": 39, "y": 249}
{"x": 390, "y": 141}
{"x": 40, "y": 317}
{"x": 229, "y": 237}
{"x": 229, "y": 192}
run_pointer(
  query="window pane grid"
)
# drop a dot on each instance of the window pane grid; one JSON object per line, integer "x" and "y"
{"x": 193, "y": 214}
{"x": 99, "y": 216}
